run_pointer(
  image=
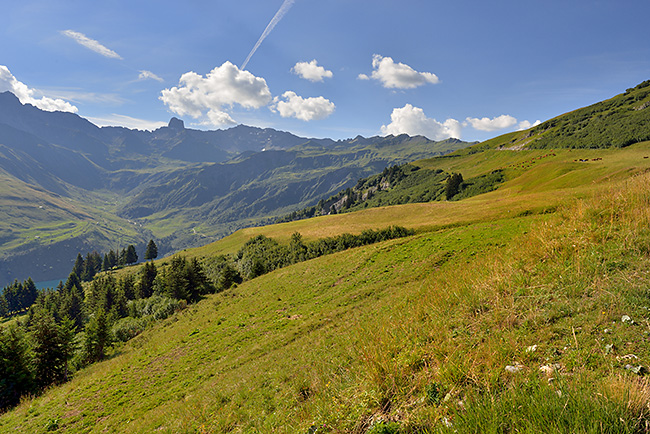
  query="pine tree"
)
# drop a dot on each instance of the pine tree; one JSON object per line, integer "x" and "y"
{"x": 130, "y": 255}
{"x": 78, "y": 267}
{"x": 98, "y": 337}
{"x": 106, "y": 264}
{"x": 147, "y": 277}
{"x": 453, "y": 186}
{"x": 16, "y": 377}
{"x": 152, "y": 251}
{"x": 49, "y": 358}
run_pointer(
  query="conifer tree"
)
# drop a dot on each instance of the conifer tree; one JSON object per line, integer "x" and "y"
{"x": 453, "y": 185}
{"x": 106, "y": 264}
{"x": 112, "y": 259}
{"x": 4, "y": 308}
{"x": 49, "y": 356}
{"x": 151, "y": 252}
{"x": 78, "y": 267}
{"x": 147, "y": 277}
{"x": 127, "y": 286}
{"x": 98, "y": 337}
{"x": 30, "y": 292}
{"x": 67, "y": 330}
{"x": 16, "y": 377}
{"x": 131, "y": 257}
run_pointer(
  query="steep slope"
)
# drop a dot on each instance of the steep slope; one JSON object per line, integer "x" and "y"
{"x": 614, "y": 123}
{"x": 37, "y": 162}
{"x": 41, "y": 232}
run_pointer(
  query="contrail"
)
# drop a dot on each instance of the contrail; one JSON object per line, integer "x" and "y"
{"x": 286, "y": 5}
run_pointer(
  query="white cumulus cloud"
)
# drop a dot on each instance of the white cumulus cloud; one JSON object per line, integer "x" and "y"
{"x": 311, "y": 71}
{"x": 146, "y": 75}
{"x": 27, "y": 95}
{"x": 412, "y": 121}
{"x": 397, "y": 75}
{"x": 222, "y": 88}
{"x": 306, "y": 109}
{"x": 487, "y": 124}
{"x": 91, "y": 44}
{"x": 524, "y": 125}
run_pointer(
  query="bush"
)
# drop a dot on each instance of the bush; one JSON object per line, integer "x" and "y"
{"x": 167, "y": 308}
{"x": 128, "y": 328}
{"x": 156, "y": 306}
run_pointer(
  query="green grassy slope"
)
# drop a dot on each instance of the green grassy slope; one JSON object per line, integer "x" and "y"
{"x": 40, "y": 230}
{"x": 614, "y": 123}
{"x": 411, "y": 334}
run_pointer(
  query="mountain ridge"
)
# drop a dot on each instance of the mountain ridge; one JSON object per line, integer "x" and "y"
{"x": 170, "y": 182}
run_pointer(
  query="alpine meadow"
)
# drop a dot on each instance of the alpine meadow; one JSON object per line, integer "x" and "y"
{"x": 375, "y": 285}
{"x": 325, "y": 217}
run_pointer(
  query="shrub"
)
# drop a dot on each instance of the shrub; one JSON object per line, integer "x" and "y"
{"x": 128, "y": 328}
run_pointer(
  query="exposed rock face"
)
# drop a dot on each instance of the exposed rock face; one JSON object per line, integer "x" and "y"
{"x": 176, "y": 124}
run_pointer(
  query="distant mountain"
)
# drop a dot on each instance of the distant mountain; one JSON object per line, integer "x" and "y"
{"x": 71, "y": 186}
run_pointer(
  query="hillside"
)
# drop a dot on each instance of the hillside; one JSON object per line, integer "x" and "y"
{"x": 614, "y": 123}
{"x": 180, "y": 186}
{"x": 381, "y": 335}
{"x": 454, "y": 326}
{"x": 520, "y": 309}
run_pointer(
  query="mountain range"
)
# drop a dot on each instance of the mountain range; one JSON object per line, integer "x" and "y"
{"x": 69, "y": 186}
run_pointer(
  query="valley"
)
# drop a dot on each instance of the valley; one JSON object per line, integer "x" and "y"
{"x": 83, "y": 188}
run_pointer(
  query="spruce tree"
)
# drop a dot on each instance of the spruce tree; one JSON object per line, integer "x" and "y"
{"x": 49, "y": 358}
{"x": 106, "y": 264}
{"x": 127, "y": 286}
{"x": 147, "y": 277}
{"x": 30, "y": 292}
{"x": 79, "y": 264}
{"x": 112, "y": 259}
{"x": 16, "y": 377}
{"x": 4, "y": 307}
{"x": 453, "y": 185}
{"x": 67, "y": 330}
{"x": 130, "y": 256}
{"x": 98, "y": 337}
{"x": 152, "y": 251}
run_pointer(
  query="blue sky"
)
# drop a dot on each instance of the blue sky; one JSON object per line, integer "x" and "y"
{"x": 336, "y": 68}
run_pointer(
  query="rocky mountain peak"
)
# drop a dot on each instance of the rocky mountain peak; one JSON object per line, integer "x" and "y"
{"x": 176, "y": 124}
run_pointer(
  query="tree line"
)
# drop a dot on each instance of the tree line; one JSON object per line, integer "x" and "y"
{"x": 17, "y": 297}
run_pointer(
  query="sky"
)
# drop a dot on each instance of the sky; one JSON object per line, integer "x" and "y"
{"x": 338, "y": 68}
